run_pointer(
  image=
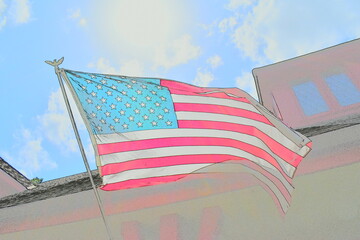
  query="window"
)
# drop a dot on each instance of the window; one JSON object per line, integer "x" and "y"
{"x": 310, "y": 99}
{"x": 344, "y": 89}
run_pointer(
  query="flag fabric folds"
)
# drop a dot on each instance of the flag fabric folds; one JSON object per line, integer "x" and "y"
{"x": 147, "y": 131}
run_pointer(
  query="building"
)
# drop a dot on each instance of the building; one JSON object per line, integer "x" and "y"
{"x": 317, "y": 94}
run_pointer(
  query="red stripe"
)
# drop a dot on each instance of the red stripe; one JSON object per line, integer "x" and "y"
{"x": 280, "y": 150}
{"x": 178, "y": 160}
{"x": 209, "y": 108}
{"x": 134, "y": 183}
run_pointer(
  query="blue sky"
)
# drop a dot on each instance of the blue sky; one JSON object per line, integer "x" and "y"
{"x": 207, "y": 43}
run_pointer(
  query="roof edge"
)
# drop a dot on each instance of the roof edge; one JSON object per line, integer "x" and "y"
{"x": 15, "y": 174}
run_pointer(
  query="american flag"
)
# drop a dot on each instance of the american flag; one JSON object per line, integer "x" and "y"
{"x": 147, "y": 131}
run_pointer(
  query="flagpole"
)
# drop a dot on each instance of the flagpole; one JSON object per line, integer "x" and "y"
{"x": 56, "y": 64}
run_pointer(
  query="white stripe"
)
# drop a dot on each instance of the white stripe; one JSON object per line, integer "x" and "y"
{"x": 187, "y": 169}
{"x": 152, "y": 172}
{"x": 184, "y": 132}
{"x": 191, "y": 150}
{"x": 271, "y": 131}
{"x": 213, "y": 101}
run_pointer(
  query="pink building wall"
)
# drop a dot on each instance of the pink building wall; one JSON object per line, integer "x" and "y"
{"x": 275, "y": 84}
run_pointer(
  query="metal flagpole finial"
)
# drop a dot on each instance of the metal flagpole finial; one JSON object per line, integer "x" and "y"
{"x": 55, "y": 63}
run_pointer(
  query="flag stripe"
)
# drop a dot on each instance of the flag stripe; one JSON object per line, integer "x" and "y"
{"x": 188, "y": 132}
{"x": 272, "y": 132}
{"x": 134, "y": 183}
{"x": 285, "y": 153}
{"x": 154, "y": 172}
{"x": 209, "y": 108}
{"x": 104, "y": 149}
{"x": 179, "y": 160}
{"x": 204, "y": 99}
{"x": 193, "y": 150}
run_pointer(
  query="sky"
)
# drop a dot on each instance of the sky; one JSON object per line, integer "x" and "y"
{"x": 213, "y": 43}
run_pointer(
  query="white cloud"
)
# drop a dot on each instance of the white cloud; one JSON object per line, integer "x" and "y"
{"x": 227, "y": 23}
{"x": 179, "y": 51}
{"x": 30, "y": 156}
{"x": 76, "y": 15}
{"x": 214, "y": 61}
{"x": 246, "y": 82}
{"x": 129, "y": 68}
{"x": 132, "y": 68}
{"x": 55, "y": 122}
{"x": 275, "y": 30}
{"x": 235, "y": 4}
{"x": 103, "y": 65}
{"x": 3, "y": 19}
{"x": 3, "y": 22}
{"x": 154, "y": 33}
{"x": 21, "y": 11}
{"x": 203, "y": 78}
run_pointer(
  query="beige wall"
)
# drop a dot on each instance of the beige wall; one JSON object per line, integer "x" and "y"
{"x": 325, "y": 206}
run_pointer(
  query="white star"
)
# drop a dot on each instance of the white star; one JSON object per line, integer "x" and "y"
{"x": 157, "y": 104}
{"x": 139, "y": 92}
{"x": 166, "y": 110}
{"x": 112, "y": 127}
{"x": 99, "y": 128}
{"x": 89, "y": 101}
{"x": 131, "y": 118}
{"x": 83, "y": 87}
{"x": 93, "y": 94}
{"x": 109, "y": 92}
{"x": 133, "y": 81}
{"x": 154, "y": 123}
{"x": 123, "y": 92}
{"x": 116, "y": 120}
{"x": 103, "y": 100}
{"x": 142, "y": 104}
{"x": 107, "y": 114}
{"x": 122, "y": 112}
{"x": 99, "y": 86}
{"x": 88, "y": 81}
{"x": 148, "y": 98}
{"x": 153, "y": 92}
{"x": 114, "y": 87}
{"x": 128, "y": 86}
{"x": 163, "y": 98}
{"x": 160, "y": 116}
{"x": 125, "y": 126}
{"x": 133, "y": 98}
{"x": 146, "y": 117}
{"x": 128, "y": 105}
{"x": 159, "y": 87}
{"x": 151, "y": 110}
{"x": 103, "y": 81}
{"x": 169, "y": 123}
{"x": 140, "y": 124}
{"x": 144, "y": 86}
{"x": 103, "y": 121}
{"x": 118, "y": 99}
{"x": 93, "y": 115}
{"x": 92, "y": 76}
{"x": 98, "y": 107}
{"x": 137, "y": 111}
{"x": 113, "y": 106}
